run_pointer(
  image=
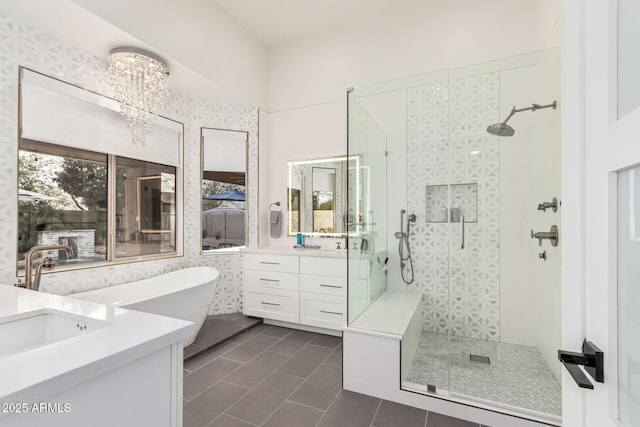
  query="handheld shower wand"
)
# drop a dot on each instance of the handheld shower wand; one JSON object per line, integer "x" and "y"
{"x": 405, "y": 269}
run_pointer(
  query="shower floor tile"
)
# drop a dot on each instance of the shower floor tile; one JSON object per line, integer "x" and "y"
{"x": 516, "y": 376}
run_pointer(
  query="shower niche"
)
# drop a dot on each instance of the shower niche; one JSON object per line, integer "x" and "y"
{"x": 450, "y": 203}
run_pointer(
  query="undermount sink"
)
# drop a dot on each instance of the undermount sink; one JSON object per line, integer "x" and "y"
{"x": 39, "y": 328}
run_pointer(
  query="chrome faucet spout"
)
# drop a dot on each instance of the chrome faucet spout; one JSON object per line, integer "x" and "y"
{"x": 33, "y": 283}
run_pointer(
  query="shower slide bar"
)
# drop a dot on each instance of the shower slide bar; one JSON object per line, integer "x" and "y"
{"x": 462, "y": 232}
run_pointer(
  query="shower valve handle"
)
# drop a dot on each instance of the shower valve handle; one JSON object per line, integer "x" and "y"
{"x": 551, "y": 235}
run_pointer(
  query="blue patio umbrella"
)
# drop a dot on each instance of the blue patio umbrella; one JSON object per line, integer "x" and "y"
{"x": 233, "y": 195}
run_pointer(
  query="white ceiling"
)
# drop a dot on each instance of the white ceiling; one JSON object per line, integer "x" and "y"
{"x": 274, "y": 22}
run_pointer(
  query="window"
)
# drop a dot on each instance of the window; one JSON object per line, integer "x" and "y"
{"x": 62, "y": 200}
{"x": 223, "y": 218}
{"x": 83, "y": 183}
{"x": 145, "y": 208}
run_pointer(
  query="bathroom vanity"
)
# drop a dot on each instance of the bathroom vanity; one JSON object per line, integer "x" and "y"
{"x": 66, "y": 362}
{"x": 297, "y": 288}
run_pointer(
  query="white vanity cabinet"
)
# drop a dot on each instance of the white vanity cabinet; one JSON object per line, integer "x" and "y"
{"x": 271, "y": 286}
{"x": 305, "y": 290}
{"x": 323, "y": 292}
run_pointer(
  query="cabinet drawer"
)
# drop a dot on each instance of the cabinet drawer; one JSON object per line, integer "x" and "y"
{"x": 323, "y": 266}
{"x": 324, "y": 311}
{"x": 330, "y": 285}
{"x": 273, "y": 304}
{"x": 270, "y": 262}
{"x": 271, "y": 279}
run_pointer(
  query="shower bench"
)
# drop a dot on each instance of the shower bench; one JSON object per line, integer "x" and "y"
{"x": 379, "y": 346}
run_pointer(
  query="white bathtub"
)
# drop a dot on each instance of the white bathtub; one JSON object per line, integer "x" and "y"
{"x": 183, "y": 294}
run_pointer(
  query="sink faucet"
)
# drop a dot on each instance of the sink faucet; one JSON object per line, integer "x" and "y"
{"x": 33, "y": 283}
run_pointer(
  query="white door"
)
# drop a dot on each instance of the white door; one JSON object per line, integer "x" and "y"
{"x": 601, "y": 138}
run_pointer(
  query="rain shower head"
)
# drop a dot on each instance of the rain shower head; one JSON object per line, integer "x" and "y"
{"x": 503, "y": 129}
{"x": 500, "y": 129}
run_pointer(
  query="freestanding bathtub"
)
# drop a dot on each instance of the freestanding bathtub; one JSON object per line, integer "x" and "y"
{"x": 183, "y": 294}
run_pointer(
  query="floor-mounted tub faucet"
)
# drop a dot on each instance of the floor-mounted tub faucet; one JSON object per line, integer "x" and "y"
{"x": 33, "y": 283}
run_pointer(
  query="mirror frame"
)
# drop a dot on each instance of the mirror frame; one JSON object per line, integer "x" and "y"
{"x": 343, "y": 196}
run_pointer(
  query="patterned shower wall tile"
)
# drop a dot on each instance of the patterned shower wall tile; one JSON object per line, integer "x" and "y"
{"x": 447, "y": 144}
{"x": 21, "y": 45}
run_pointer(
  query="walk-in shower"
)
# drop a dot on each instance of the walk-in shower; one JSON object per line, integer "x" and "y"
{"x": 490, "y": 313}
{"x": 503, "y": 129}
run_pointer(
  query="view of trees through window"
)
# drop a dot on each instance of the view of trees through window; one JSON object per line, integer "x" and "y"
{"x": 63, "y": 199}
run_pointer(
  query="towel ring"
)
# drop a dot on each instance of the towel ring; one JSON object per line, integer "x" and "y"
{"x": 274, "y": 203}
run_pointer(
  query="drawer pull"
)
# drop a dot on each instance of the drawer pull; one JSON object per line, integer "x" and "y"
{"x": 269, "y": 303}
{"x": 330, "y": 286}
{"x": 270, "y": 263}
{"x": 269, "y": 280}
{"x": 331, "y": 312}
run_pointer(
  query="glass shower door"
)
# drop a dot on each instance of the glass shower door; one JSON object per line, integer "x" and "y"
{"x": 366, "y": 209}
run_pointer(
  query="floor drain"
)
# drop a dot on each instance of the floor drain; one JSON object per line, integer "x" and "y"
{"x": 479, "y": 359}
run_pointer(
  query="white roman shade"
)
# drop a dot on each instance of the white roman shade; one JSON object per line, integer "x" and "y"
{"x": 225, "y": 150}
{"x": 60, "y": 113}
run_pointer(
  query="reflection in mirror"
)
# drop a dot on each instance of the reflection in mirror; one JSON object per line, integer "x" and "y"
{"x": 224, "y": 166}
{"x": 145, "y": 208}
{"x": 294, "y": 210}
{"x": 323, "y": 189}
{"x": 316, "y": 195}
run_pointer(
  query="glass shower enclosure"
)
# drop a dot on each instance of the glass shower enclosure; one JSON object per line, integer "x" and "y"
{"x": 491, "y": 294}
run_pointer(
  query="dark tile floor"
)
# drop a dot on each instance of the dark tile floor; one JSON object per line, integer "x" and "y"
{"x": 278, "y": 377}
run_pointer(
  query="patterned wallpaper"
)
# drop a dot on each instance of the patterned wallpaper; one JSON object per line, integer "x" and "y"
{"x": 447, "y": 145}
{"x": 22, "y": 45}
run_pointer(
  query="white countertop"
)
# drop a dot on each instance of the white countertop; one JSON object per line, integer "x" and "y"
{"x": 390, "y": 314}
{"x": 33, "y": 375}
{"x": 286, "y": 250}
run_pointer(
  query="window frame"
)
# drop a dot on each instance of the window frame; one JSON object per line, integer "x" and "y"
{"x": 57, "y": 149}
{"x": 231, "y": 250}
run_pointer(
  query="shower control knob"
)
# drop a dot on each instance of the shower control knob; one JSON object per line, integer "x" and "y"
{"x": 551, "y": 235}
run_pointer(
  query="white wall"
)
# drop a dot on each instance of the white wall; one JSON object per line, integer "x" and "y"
{"x": 518, "y": 202}
{"x": 307, "y": 79}
{"x": 530, "y": 174}
{"x": 299, "y": 134}
{"x": 547, "y": 159}
{"x": 425, "y": 37}
{"x": 212, "y": 58}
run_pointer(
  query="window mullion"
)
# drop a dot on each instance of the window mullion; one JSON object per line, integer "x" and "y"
{"x": 111, "y": 207}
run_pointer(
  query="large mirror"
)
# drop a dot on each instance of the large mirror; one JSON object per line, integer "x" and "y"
{"x": 317, "y": 191}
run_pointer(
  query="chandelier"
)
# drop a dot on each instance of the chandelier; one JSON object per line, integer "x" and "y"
{"x": 139, "y": 79}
